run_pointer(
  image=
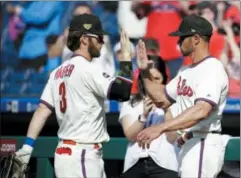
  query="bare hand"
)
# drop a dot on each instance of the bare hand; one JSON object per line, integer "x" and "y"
{"x": 125, "y": 46}
{"x": 221, "y": 6}
{"x": 147, "y": 106}
{"x": 142, "y": 59}
{"x": 145, "y": 137}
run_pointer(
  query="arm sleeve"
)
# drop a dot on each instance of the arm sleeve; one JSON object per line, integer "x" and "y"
{"x": 211, "y": 86}
{"x": 34, "y": 15}
{"x": 47, "y": 96}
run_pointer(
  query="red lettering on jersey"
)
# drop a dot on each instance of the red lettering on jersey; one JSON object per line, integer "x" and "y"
{"x": 71, "y": 68}
{"x": 183, "y": 89}
{"x": 58, "y": 73}
{"x": 65, "y": 71}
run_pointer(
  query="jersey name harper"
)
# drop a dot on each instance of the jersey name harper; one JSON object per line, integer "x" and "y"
{"x": 64, "y": 71}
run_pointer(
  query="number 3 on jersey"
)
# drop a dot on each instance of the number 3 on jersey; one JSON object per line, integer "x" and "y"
{"x": 62, "y": 93}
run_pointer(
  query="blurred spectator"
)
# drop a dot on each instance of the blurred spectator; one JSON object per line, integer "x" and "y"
{"x": 55, "y": 46}
{"x": 110, "y": 6}
{"x": 41, "y": 19}
{"x": 106, "y": 59}
{"x": 231, "y": 61}
{"x": 192, "y": 8}
{"x": 127, "y": 20}
{"x": 229, "y": 10}
{"x": 208, "y": 11}
{"x": 16, "y": 30}
{"x": 82, "y": 9}
{"x": 164, "y": 17}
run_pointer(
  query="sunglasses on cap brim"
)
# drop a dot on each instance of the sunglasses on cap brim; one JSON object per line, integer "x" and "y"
{"x": 100, "y": 38}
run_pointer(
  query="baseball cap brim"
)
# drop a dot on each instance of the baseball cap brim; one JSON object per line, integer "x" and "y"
{"x": 178, "y": 33}
{"x": 102, "y": 33}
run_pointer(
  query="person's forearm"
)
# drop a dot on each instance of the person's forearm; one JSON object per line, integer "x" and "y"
{"x": 220, "y": 15}
{"x": 171, "y": 136}
{"x": 134, "y": 129}
{"x": 38, "y": 121}
{"x": 187, "y": 119}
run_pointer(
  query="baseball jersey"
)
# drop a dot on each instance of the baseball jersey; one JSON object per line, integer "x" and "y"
{"x": 77, "y": 90}
{"x": 207, "y": 81}
{"x": 161, "y": 151}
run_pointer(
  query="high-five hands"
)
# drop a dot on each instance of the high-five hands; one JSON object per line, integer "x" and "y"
{"x": 142, "y": 59}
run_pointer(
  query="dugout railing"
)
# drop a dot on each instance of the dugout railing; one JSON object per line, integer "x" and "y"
{"x": 113, "y": 150}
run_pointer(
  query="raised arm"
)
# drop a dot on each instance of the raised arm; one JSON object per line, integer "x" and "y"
{"x": 154, "y": 90}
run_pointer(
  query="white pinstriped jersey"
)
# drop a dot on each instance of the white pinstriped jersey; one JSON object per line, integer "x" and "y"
{"x": 207, "y": 81}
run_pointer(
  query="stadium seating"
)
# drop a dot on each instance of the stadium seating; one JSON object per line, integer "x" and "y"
{"x": 22, "y": 82}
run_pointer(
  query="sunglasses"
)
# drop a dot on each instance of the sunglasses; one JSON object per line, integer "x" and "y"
{"x": 182, "y": 38}
{"x": 99, "y": 38}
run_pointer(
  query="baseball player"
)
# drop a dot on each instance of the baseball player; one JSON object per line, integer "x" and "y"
{"x": 200, "y": 91}
{"x": 76, "y": 90}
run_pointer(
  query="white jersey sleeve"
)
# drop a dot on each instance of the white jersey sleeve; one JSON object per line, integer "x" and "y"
{"x": 47, "y": 95}
{"x": 98, "y": 82}
{"x": 212, "y": 85}
{"x": 171, "y": 89}
{"x": 174, "y": 109}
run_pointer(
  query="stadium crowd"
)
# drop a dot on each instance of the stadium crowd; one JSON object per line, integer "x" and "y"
{"x": 34, "y": 37}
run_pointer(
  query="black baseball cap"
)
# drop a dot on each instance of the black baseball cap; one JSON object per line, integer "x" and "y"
{"x": 192, "y": 25}
{"x": 87, "y": 23}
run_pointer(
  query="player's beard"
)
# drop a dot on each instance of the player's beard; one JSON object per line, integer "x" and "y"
{"x": 94, "y": 52}
{"x": 186, "y": 51}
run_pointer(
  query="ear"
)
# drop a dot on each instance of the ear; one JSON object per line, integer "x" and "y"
{"x": 84, "y": 40}
{"x": 196, "y": 39}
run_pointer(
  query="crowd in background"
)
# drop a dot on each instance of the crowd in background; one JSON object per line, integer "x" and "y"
{"x": 34, "y": 34}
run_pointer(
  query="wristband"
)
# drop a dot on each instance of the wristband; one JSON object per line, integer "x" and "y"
{"x": 29, "y": 141}
{"x": 142, "y": 118}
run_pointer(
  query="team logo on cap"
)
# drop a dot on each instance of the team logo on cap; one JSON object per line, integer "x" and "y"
{"x": 193, "y": 30}
{"x": 87, "y": 26}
